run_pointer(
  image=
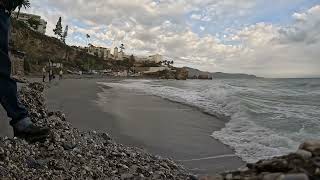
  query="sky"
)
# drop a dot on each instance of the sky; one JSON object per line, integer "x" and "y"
{"x": 275, "y": 38}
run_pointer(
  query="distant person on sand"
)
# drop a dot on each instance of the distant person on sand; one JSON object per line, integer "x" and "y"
{"x": 60, "y": 74}
{"x": 50, "y": 75}
{"x": 22, "y": 125}
{"x": 44, "y": 72}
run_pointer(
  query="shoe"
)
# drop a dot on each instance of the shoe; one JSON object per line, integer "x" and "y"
{"x": 32, "y": 133}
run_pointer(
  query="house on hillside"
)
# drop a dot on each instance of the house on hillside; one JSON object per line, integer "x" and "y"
{"x": 33, "y": 21}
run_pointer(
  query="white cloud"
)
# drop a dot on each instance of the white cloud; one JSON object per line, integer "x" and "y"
{"x": 147, "y": 26}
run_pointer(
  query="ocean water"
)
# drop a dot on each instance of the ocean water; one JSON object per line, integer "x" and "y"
{"x": 264, "y": 117}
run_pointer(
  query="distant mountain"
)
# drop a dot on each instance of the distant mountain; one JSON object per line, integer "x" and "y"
{"x": 218, "y": 75}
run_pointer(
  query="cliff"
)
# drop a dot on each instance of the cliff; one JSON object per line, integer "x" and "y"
{"x": 174, "y": 73}
{"x": 40, "y": 49}
{"x": 195, "y": 73}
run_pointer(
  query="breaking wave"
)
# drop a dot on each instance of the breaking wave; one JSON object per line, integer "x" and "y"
{"x": 264, "y": 118}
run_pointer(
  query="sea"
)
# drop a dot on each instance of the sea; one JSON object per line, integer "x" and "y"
{"x": 264, "y": 117}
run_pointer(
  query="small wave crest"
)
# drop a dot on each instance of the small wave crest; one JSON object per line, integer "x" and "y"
{"x": 263, "y": 122}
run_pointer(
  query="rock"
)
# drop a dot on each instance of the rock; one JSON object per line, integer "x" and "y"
{"x": 303, "y": 153}
{"x": 126, "y": 176}
{"x": 2, "y": 154}
{"x": 216, "y": 177}
{"x": 51, "y": 147}
{"x": 181, "y": 74}
{"x": 310, "y": 145}
{"x": 229, "y": 177}
{"x": 294, "y": 177}
{"x": 37, "y": 87}
{"x": 274, "y": 165}
{"x": 316, "y": 161}
{"x": 68, "y": 146}
{"x": 32, "y": 163}
{"x": 273, "y": 176}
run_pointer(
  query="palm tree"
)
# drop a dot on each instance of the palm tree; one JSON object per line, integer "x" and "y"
{"x": 165, "y": 62}
{"x": 122, "y": 47}
{"x": 23, "y": 3}
{"x": 88, "y": 37}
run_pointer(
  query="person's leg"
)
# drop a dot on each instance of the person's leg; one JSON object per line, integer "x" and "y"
{"x": 21, "y": 123}
{"x": 8, "y": 90}
{"x": 10, "y": 102}
{"x": 5, "y": 63}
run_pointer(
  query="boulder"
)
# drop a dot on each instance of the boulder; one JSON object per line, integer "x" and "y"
{"x": 272, "y": 176}
{"x": 311, "y": 146}
{"x": 304, "y": 154}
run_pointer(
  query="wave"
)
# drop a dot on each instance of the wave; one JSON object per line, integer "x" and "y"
{"x": 261, "y": 122}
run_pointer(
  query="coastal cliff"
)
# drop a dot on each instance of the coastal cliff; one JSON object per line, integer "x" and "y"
{"x": 40, "y": 48}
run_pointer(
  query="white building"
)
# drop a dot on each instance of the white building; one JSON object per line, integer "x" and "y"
{"x": 116, "y": 53}
{"x": 156, "y": 58}
{"x": 28, "y": 18}
{"x": 153, "y": 58}
{"x": 99, "y": 51}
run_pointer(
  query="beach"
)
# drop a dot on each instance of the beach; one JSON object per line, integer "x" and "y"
{"x": 159, "y": 126}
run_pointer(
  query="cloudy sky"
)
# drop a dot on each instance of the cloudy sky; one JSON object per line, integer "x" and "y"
{"x": 275, "y": 38}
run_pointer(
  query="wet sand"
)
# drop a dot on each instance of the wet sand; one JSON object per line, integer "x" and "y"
{"x": 161, "y": 127}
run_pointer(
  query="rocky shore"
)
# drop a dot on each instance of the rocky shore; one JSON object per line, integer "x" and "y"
{"x": 301, "y": 165}
{"x": 72, "y": 154}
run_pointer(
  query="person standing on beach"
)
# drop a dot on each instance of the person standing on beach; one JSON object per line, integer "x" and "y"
{"x": 22, "y": 125}
{"x": 44, "y": 72}
{"x": 51, "y": 75}
{"x": 60, "y": 74}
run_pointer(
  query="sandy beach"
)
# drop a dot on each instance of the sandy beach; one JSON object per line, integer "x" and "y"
{"x": 162, "y": 127}
{"x": 159, "y": 126}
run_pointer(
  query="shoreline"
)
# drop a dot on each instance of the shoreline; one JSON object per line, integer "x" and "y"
{"x": 187, "y": 141}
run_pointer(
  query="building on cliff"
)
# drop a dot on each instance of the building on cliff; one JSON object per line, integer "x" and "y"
{"x": 105, "y": 53}
{"x": 33, "y": 21}
{"x": 101, "y": 52}
{"x": 117, "y": 55}
{"x": 153, "y": 58}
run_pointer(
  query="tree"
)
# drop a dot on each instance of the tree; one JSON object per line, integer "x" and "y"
{"x": 58, "y": 30}
{"x": 122, "y": 47}
{"x": 65, "y": 34}
{"x": 22, "y": 3}
{"x": 88, "y": 37}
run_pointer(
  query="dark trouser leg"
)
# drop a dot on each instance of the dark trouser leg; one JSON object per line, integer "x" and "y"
{"x": 8, "y": 87}
{"x": 10, "y": 102}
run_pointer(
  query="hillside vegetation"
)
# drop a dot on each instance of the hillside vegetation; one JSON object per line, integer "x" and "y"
{"x": 40, "y": 49}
